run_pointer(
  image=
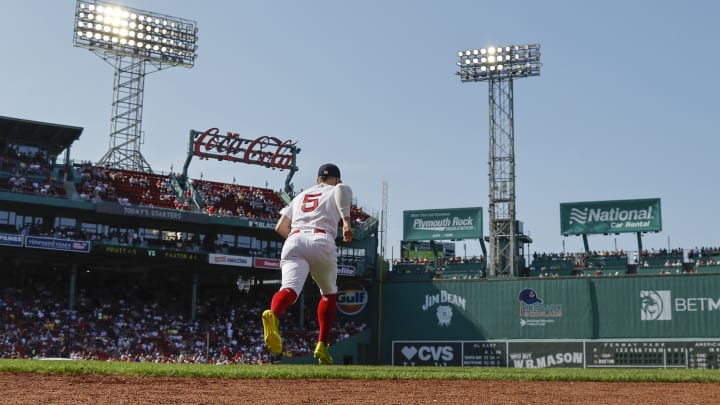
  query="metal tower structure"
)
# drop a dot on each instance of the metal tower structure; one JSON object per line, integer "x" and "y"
{"x": 383, "y": 220}
{"x": 499, "y": 66}
{"x": 126, "y": 119}
{"x": 135, "y": 43}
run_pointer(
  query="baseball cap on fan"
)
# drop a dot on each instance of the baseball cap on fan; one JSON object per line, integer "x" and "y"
{"x": 329, "y": 169}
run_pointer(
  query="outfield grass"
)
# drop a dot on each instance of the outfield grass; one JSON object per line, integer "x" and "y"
{"x": 358, "y": 372}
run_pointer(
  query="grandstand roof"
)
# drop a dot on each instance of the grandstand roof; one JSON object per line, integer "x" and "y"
{"x": 53, "y": 138}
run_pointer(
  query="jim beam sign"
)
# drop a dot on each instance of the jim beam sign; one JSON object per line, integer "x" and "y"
{"x": 265, "y": 151}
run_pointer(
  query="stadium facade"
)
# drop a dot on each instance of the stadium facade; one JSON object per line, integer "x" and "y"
{"x": 205, "y": 249}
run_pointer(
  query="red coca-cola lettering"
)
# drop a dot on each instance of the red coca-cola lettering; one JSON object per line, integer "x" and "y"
{"x": 265, "y": 150}
{"x": 269, "y": 151}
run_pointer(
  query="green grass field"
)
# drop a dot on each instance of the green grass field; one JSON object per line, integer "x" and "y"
{"x": 358, "y": 372}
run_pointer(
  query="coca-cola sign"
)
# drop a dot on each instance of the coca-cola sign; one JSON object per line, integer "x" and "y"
{"x": 265, "y": 151}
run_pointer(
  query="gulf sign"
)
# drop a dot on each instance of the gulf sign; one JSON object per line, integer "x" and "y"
{"x": 351, "y": 298}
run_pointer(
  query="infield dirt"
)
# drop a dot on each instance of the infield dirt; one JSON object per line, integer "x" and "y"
{"x": 18, "y": 388}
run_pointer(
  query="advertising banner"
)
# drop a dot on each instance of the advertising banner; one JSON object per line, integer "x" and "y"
{"x": 546, "y": 354}
{"x": 438, "y": 224}
{"x": 265, "y": 263}
{"x": 352, "y": 298}
{"x": 266, "y": 151}
{"x": 57, "y": 244}
{"x": 605, "y": 217}
{"x": 648, "y": 307}
{"x": 10, "y": 239}
{"x": 230, "y": 260}
{"x": 513, "y": 309}
{"x": 345, "y": 270}
{"x": 427, "y": 353}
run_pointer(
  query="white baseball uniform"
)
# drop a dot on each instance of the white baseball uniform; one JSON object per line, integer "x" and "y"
{"x": 310, "y": 247}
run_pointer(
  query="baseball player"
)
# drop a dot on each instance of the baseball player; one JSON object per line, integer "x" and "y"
{"x": 309, "y": 226}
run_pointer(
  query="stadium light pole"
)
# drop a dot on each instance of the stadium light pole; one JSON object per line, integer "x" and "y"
{"x": 499, "y": 66}
{"x": 135, "y": 43}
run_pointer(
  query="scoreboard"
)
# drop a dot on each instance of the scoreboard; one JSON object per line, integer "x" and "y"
{"x": 653, "y": 354}
{"x": 696, "y": 354}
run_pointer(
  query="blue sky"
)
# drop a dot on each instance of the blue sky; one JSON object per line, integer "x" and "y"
{"x": 624, "y": 107}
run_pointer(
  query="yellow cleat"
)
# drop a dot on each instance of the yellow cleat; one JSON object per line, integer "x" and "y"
{"x": 271, "y": 327}
{"x": 322, "y": 354}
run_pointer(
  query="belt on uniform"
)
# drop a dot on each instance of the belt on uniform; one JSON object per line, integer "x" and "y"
{"x": 307, "y": 231}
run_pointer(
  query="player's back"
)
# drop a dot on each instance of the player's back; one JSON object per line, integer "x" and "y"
{"x": 315, "y": 208}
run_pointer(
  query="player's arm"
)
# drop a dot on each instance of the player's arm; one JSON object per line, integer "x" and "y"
{"x": 283, "y": 226}
{"x": 343, "y": 199}
{"x": 347, "y": 230}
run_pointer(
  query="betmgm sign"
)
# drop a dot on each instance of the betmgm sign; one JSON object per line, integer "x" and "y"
{"x": 605, "y": 217}
{"x": 442, "y": 224}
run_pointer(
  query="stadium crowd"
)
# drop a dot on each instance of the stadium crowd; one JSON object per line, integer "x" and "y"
{"x": 28, "y": 170}
{"x": 24, "y": 160}
{"x": 124, "y": 325}
{"x": 425, "y": 264}
{"x": 695, "y": 253}
{"x": 645, "y": 253}
{"x": 223, "y": 199}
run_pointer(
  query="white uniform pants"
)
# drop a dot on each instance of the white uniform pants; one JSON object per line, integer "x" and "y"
{"x": 307, "y": 252}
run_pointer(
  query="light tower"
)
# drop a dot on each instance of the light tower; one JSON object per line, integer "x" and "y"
{"x": 383, "y": 219}
{"x": 135, "y": 43}
{"x": 499, "y": 66}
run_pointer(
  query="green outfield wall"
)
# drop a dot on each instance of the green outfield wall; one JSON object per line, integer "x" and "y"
{"x": 685, "y": 306}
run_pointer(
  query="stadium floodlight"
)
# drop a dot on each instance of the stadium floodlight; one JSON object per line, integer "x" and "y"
{"x": 132, "y": 41}
{"x": 126, "y": 31}
{"x": 499, "y": 66}
{"x": 497, "y": 63}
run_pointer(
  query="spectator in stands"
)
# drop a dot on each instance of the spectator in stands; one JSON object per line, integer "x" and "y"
{"x": 36, "y": 323}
